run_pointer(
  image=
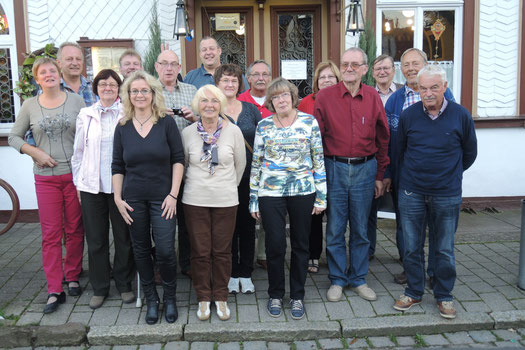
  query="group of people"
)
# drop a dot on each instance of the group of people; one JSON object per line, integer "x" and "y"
{"x": 210, "y": 155}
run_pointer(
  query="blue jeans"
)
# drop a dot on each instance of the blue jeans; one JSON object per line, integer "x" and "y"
{"x": 442, "y": 214}
{"x": 350, "y": 193}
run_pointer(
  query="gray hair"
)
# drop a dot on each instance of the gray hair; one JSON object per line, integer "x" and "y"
{"x": 68, "y": 43}
{"x": 357, "y": 49}
{"x": 432, "y": 70}
{"x": 249, "y": 69}
{"x": 423, "y": 54}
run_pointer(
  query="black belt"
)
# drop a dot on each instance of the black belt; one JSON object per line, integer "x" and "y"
{"x": 357, "y": 160}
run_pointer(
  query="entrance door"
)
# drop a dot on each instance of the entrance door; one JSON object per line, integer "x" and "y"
{"x": 236, "y": 45}
{"x": 296, "y": 44}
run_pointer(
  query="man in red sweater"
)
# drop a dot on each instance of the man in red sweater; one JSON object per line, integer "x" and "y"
{"x": 259, "y": 76}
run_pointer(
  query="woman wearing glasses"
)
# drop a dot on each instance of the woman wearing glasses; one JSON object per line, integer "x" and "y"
{"x": 287, "y": 176}
{"x": 148, "y": 162}
{"x": 91, "y": 163}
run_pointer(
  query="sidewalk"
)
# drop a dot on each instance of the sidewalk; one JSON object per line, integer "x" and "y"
{"x": 486, "y": 292}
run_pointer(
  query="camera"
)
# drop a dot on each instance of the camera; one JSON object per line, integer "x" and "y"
{"x": 178, "y": 111}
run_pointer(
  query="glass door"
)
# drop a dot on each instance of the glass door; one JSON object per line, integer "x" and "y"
{"x": 9, "y": 101}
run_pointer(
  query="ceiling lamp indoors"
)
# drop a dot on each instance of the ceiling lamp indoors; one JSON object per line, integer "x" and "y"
{"x": 355, "y": 21}
{"x": 181, "y": 21}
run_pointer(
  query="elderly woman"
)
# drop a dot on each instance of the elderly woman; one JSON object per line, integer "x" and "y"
{"x": 288, "y": 176}
{"x": 326, "y": 74}
{"x": 215, "y": 160}
{"x": 228, "y": 78}
{"x": 52, "y": 118}
{"x": 91, "y": 163}
{"x": 148, "y": 162}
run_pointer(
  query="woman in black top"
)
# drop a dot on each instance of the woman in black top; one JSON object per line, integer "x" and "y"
{"x": 148, "y": 162}
{"x": 228, "y": 78}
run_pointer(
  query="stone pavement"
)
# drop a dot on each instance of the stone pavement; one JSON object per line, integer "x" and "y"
{"x": 487, "y": 300}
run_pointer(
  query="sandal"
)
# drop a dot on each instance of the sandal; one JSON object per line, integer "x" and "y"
{"x": 313, "y": 265}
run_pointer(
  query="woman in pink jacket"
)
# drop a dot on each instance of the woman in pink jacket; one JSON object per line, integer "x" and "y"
{"x": 91, "y": 165}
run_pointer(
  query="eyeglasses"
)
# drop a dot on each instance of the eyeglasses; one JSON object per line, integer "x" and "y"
{"x": 213, "y": 101}
{"x": 259, "y": 75}
{"x": 433, "y": 88}
{"x": 168, "y": 64}
{"x": 229, "y": 81}
{"x": 384, "y": 69}
{"x": 105, "y": 85}
{"x": 143, "y": 92}
{"x": 327, "y": 77}
{"x": 354, "y": 65}
{"x": 284, "y": 96}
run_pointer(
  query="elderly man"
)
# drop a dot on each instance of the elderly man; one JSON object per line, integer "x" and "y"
{"x": 383, "y": 71}
{"x": 259, "y": 76}
{"x": 437, "y": 143}
{"x": 178, "y": 97}
{"x": 71, "y": 62}
{"x": 355, "y": 139}
{"x": 129, "y": 62}
{"x": 412, "y": 60}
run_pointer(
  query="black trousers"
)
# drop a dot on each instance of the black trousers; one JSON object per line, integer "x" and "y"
{"x": 183, "y": 237}
{"x": 147, "y": 221}
{"x": 243, "y": 245}
{"x": 316, "y": 236}
{"x": 97, "y": 210}
{"x": 273, "y": 212}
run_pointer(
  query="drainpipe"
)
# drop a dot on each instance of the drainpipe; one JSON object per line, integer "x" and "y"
{"x": 521, "y": 277}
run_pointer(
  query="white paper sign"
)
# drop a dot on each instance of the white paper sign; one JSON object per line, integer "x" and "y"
{"x": 293, "y": 69}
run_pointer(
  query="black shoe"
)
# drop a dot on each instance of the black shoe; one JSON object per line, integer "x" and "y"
{"x": 400, "y": 278}
{"x": 152, "y": 312}
{"x": 52, "y": 307}
{"x": 74, "y": 291}
{"x": 170, "y": 311}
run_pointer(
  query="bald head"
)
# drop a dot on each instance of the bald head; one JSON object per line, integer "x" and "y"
{"x": 168, "y": 67}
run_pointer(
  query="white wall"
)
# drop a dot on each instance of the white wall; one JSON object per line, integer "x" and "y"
{"x": 500, "y": 167}
{"x": 17, "y": 170}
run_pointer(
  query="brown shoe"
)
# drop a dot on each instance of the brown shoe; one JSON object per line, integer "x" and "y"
{"x": 405, "y": 302}
{"x": 400, "y": 278}
{"x": 262, "y": 263}
{"x": 446, "y": 309}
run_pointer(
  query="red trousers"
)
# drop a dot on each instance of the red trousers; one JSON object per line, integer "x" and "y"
{"x": 59, "y": 208}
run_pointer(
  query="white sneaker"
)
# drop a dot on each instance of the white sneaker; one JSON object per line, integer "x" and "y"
{"x": 203, "y": 312}
{"x": 223, "y": 311}
{"x": 365, "y": 292}
{"x": 334, "y": 293}
{"x": 247, "y": 286}
{"x": 233, "y": 285}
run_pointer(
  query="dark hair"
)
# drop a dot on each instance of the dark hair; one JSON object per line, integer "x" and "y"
{"x": 103, "y": 75}
{"x": 231, "y": 70}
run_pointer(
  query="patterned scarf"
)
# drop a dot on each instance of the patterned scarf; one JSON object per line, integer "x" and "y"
{"x": 209, "y": 148}
{"x": 113, "y": 107}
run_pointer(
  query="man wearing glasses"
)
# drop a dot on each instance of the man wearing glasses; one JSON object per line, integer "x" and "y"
{"x": 259, "y": 77}
{"x": 178, "y": 97}
{"x": 355, "y": 140}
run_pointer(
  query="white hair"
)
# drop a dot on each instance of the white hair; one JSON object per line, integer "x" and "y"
{"x": 431, "y": 70}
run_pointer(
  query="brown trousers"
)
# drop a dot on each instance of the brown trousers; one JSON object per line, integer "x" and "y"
{"x": 211, "y": 233}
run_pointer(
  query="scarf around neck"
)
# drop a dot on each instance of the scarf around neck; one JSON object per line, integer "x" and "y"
{"x": 210, "y": 148}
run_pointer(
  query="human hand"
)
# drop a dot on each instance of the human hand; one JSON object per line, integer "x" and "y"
{"x": 256, "y": 215}
{"x": 169, "y": 207}
{"x": 123, "y": 209}
{"x": 43, "y": 160}
{"x": 387, "y": 183}
{"x": 317, "y": 211}
{"x": 379, "y": 189}
{"x": 188, "y": 114}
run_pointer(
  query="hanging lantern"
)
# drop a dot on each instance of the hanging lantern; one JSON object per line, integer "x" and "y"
{"x": 181, "y": 24}
{"x": 355, "y": 21}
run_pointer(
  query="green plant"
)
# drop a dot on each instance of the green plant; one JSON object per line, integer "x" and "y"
{"x": 420, "y": 342}
{"x": 155, "y": 42}
{"x": 367, "y": 43}
{"x": 25, "y": 86}
{"x": 393, "y": 339}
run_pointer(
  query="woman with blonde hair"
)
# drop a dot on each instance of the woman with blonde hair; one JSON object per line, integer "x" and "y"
{"x": 215, "y": 160}
{"x": 51, "y": 116}
{"x": 148, "y": 162}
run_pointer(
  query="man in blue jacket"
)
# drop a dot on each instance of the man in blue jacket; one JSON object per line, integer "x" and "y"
{"x": 412, "y": 61}
{"x": 436, "y": 143}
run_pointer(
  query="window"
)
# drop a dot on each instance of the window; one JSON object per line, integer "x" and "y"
{"x": 102, "y": 54}
{"x": 435, "y": 28}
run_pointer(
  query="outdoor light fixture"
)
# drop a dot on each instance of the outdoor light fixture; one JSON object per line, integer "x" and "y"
{"x": 355, "y": 22}
{"x": 181, "y": 23}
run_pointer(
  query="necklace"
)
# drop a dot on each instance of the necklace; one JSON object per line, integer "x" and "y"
{"x": 282, "y": 125}
{"x": 144, "y": 122}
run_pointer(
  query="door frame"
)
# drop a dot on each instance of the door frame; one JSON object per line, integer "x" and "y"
{"x": 318, "y": 32}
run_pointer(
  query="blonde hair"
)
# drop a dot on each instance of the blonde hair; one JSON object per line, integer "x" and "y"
{"x": 278, "y": 86}
{"x": 68, "y": 43}
{"x": 158, "y": 106}
{"x": 44, "y": 60}
{"x": 322, "y": 66}
{"x": 201, "y": 94}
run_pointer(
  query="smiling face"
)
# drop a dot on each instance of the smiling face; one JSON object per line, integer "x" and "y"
{"x": 168, "y": 67}
{"x": 229, "y": 85}
{"x": 353, "y": 67}
{"x": 107, "y": 90}
{"x": 210, "y": 53}
{"x": 140, "y": 94}
{"x": 71, "y": 61}
{"x": 129, "y": 64}
{"x": 432, "y": 91}
{"x": 48, "y": 76}
{"x": 383, "y": 72}
{"x": 259, "y": 78}
{"x": 209, "y": 107}
{"x": 326, "y": 78}
{"x": 411, "y": 65}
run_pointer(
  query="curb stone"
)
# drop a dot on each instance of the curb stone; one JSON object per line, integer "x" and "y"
{"x": 508, "y": 319}
{"x": 34, "y": 336}
{"x": 134, "y": 334}
{"x": 415, "y": 324}
{"x": 269, "y": 331}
